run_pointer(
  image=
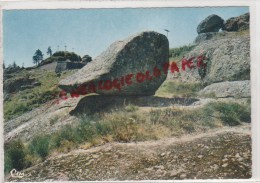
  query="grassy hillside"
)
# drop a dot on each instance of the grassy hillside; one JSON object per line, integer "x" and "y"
{"x": 26, "y": 100}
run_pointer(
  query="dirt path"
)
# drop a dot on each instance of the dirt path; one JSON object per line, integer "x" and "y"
{"x": 214, "y": 154}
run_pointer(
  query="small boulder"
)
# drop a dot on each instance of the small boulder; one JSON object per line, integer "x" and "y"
{"x": 133, "y": 66}
{"x": 237, "y": 23}
{"x": 210, "y": 24}
{"x": 240, "y": 89}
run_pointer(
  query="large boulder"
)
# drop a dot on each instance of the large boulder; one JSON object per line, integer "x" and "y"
{"x": 210, "y": 24}
{"x": 237, "y": 23}
{"x": 133, "y": 66}
{"x": 238, "y": 89}
{"x": 226, "y": 59}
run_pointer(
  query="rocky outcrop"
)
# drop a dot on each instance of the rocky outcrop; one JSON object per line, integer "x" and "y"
{"x": 237, "y": 23}
{"x": 238, "y": 89}
{"x": 86, "y": 59}
{"x": 15, "y": 84}
{"x": 210, "y": 24}
{"x": 68, "y": 65}
{"x": 18, "y": 84}
{"x": 129, "y": 67}
{"x": 227, "y": 59}
{"x": 204, "y": 36}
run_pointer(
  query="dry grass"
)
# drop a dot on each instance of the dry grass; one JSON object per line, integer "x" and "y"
{"x": 178, "y": 89}
{"x": 131, "y": 124}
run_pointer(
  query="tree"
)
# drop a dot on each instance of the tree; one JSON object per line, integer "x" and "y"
{"x": 49, "y": 51}
{"x": 38, "y": 56}
{"x": 14, "y": 65}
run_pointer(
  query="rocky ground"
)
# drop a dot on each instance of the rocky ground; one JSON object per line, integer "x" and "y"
{"x": 215, "y": 154}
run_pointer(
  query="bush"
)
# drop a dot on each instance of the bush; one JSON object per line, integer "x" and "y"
{"x": 40, "y": 146}
{"x": 180, "y": 51}
{"x": 131, "y": 108}
{"x": 20, "y": 108}
{"x": 232, "y": 113}
{"x": 86, "y": 130}
{"x": 66, "y": 133}
{"x": 15, "y": 156}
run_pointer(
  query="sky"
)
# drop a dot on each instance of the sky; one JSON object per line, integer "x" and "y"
{"x": 91, "y": 31}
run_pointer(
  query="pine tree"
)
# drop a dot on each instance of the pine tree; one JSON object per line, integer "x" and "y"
{"x": 14, "y": 65}
{"x": 49, "y": 51}
{"x": 38, "y": 56}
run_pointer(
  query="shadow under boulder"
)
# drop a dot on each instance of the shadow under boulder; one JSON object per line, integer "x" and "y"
{"x": 98, "y": 103}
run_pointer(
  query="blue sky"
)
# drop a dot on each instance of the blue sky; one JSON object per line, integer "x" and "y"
{"x": 91, "y": 31}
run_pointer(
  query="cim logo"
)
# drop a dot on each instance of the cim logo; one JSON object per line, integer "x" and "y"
{"x": 16, "y": 174}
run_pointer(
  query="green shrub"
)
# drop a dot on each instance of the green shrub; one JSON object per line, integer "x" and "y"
{"x": 232, "y": 113}
{"x": 180, "y": 51}
{"x": 66, "y": 133}
{"x": 20, "y": 108}
{"x": 14, "y": 156}
{"x": 103, "y": 128}
{"x": 40, "y": 146}
{"x": 86, "y": 130}
{"x": 131, "y": 108}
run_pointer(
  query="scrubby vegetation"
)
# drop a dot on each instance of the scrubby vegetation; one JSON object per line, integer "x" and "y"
{"x": 179, "y": 89}
{"x": 128, "y": 124}
{"x": 62, "y": 56}
{"x": 180, "y": 51}
{"x": 15, "y": 156}
{"x": 26, "y": 100}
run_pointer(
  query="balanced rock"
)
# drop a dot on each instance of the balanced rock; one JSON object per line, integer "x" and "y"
{"x": 210, "y": 24}
{"x": 237, "y": 23}
{"x": 134, "y": 66}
